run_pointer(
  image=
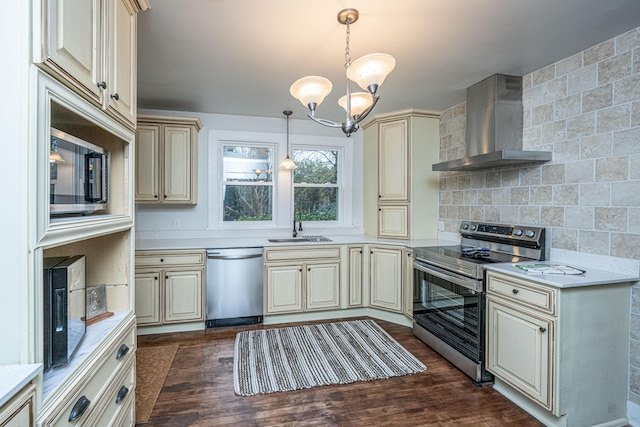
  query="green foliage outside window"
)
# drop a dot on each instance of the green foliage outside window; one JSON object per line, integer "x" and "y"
{"x": 316, "y": 184}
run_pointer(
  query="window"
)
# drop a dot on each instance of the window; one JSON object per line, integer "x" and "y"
{"x": 247, "y": 183}
{"x": 316, "y": 183}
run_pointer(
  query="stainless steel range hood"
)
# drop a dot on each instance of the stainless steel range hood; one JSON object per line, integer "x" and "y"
{"x": 494, "y": 127}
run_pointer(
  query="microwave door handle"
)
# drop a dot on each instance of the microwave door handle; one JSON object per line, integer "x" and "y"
{"x": 442, "y": 274}
{"x": 90, "y": 185}
{"x": 59, "y": 297}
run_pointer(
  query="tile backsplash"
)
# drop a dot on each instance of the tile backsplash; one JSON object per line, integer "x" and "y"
{"x": 586, "y": 110}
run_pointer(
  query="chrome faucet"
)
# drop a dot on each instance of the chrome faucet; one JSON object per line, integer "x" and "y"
{"x": 297, "y": 210}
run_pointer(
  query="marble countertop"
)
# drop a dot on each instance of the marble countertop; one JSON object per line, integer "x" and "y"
{"x": 14, "y": 377}
{"x": 258, "y": 242}
{"x": 590, "y": 277}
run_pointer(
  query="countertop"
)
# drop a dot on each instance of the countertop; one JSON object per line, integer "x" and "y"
{"x": 14, "y": 377}
{"x": 257, "y": 242}
{"x": 590, "y": 277}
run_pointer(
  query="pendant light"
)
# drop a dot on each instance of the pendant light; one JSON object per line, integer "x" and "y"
{"x": 368, "y": 72}
{"x": 287, "y": 163}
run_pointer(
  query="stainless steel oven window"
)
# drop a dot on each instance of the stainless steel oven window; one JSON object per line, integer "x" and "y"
{"x": 449, "y": 311}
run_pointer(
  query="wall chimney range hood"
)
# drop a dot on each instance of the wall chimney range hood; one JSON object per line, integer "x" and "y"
{"x": 494, "y": 127}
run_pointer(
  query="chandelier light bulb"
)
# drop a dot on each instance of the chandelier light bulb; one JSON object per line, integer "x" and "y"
{"x": 371, "y": 69}
{"x": 360, "y": 101}
{"x": 311, "y": 90}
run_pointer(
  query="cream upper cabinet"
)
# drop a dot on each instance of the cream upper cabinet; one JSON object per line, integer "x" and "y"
{"x": 167, "y": 160}
{"x": 169, "y": 287}
{"x": 565, "y": 349}
{"x": 92, "y": 47}
{"x": 400, "y": 189}
{"x": 393, "y": 161}
{"x": 386, "y": 278}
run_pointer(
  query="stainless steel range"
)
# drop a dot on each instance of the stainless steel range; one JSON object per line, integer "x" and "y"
{"x": 449, "y": 292}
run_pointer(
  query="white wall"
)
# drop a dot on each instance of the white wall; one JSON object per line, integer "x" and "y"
{"x": 184, "y": 221}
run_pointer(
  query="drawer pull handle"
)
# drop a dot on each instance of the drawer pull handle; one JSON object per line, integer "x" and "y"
{"x": 515, "y": 291}
{"x": 122, "y": 351}
{"x": 79, "y": 408}
{"x": 543, "y": 329}
{"x": 122, "y": 393}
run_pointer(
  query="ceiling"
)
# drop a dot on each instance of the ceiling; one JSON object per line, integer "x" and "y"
{"x": 241, "y": 56}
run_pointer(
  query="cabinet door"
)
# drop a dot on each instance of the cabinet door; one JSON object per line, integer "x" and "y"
{"x": 284, "y": 289}
{"x": 393, "y": 161}
{"x": 393, "y": 221}
{"x": 183, "y": 300}
{"x": 355, "y": 276}
{"x": 147, "y": 163}
{"x": 177, "y": 164}
{"x": 72, "y": 44}
{"x": 323, "y": 286}
{"x": 407, "y": 283}
{"x": 121, "y": 88}
{"x": 519, "y": 349}
{"x": 386, "y": 278}
{"x": 148, "y": 298}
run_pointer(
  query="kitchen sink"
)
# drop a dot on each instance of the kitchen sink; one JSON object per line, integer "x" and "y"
{"x": 300, "y": 239}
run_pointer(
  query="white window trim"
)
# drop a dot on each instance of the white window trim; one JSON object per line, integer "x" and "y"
{"x": 217, "y": 140}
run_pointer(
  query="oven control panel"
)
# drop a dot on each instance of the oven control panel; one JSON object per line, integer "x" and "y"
{"x": 517, "y": 232}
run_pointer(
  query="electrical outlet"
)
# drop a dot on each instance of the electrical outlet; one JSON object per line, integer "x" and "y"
{"x": 440, "y": 225}
{"x": 356, "y": 222}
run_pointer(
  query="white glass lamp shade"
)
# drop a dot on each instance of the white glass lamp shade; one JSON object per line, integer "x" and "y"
{"x": 288, "y": 163}
{"x": 371, "y": 69}
{"x": 311, "y": 89}
{"x": 360, "y": 101}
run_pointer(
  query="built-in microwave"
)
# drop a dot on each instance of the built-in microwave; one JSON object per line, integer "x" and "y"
{"x": 79, "y": 175}
{"x": 64, "y": 308}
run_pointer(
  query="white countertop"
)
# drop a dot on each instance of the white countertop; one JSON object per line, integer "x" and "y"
{"x": 14, "y": 377}
{"x": 258, "y": 242}
{"x": 590, "y": 277}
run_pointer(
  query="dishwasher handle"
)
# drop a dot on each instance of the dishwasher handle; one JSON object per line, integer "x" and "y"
{"x": 214, "y": 256}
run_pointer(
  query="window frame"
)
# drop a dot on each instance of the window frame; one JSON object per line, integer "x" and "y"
{"x": 340, "y": 185}
{"x": 217, "y": 211}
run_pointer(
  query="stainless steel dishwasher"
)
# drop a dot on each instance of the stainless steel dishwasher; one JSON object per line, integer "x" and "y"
{"x": 234, "y": 286}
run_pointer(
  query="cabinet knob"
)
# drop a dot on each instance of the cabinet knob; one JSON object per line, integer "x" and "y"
{"x": 308, "y": 269}
{"x": 515, "y": 291}
{"x": 122, "y": 351}
{"x": 102, "y": 85}
{"x": 79, "y": 408}
{"x": 543, "y": 329}
{"x": 122, "y": 393}
{"x": 155, "y": 278}
{"x": 155, "y": 196}
{"x": 165, "y": 196}
{"x": 300, "y": 269}
{"x": 161, "y": 259}
{"x": 166, "y": 277}
{"x": 115, "y": 96}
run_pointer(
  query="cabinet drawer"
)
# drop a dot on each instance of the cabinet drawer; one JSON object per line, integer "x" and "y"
{"x": 523, "y": 291}
{"x": 156, "y": 258}
{"x": 19, "y": 411}
{"x": 95, "y": 381}
{"x": 297, "y": 253}
{"x": 118, "y": 397}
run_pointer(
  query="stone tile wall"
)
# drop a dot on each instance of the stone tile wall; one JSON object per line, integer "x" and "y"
{"x": 586, "y": 110}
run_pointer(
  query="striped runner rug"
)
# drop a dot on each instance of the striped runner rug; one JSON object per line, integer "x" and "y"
{"x": 293, "y": 358}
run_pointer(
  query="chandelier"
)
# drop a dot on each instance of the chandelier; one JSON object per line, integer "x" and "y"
{"x": 368, "y": 72}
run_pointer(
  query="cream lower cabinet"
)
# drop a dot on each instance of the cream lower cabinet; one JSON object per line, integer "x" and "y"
{"x": 167, "y": 160}
{"x": 169, "y": 286}
{"x": 356, "y": 276}
{"x": 386, "y": 265}
{"x": 20, "y": 410}
{"x": 563, "y": 348}
{"x": 407, "y": 283}
{"x": 301, "y": 279}
{"x": 91, "y": 393}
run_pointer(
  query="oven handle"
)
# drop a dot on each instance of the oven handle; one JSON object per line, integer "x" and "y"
{"x": 447, "y": 275}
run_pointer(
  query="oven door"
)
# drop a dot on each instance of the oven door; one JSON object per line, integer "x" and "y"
{"x": 450, "y": 307}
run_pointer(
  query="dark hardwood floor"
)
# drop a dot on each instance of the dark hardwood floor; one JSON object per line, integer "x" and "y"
{"x": 198, "y": 391}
